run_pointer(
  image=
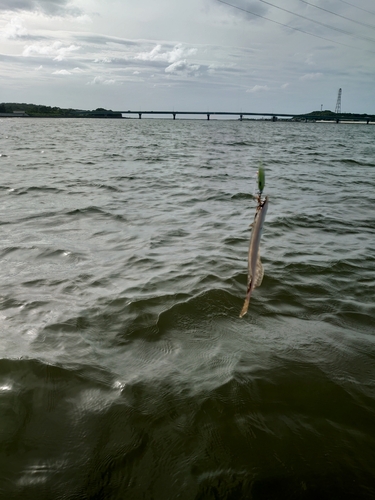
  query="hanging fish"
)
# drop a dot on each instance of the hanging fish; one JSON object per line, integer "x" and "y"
{"x": 255, "y": 268}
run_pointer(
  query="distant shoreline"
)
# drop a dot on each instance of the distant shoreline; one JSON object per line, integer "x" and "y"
{"x": 259, "y": 120}
{"x": 23, "y": 110}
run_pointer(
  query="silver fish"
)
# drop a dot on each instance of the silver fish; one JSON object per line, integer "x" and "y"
{"x": 255, "y": 268}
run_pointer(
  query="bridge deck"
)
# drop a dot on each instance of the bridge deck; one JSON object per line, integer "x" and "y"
{"x": 241, "y": 114}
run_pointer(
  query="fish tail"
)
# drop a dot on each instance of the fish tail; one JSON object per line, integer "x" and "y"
{"x": 247, "y": 299}
{"x": 245, "y": 307}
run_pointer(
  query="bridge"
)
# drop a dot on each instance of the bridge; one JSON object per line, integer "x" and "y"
{"x": 208, "y": 114}
{"x": 327, "y": 116}
{"x": 337, "y": 117}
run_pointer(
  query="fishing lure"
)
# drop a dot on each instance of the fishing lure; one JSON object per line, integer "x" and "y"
{"x": 255, "y": 268}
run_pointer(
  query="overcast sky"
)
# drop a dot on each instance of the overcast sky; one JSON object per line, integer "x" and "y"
{"x": 193, "y": 55}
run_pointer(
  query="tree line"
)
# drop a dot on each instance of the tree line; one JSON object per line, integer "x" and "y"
{"x": 37, "y": 110}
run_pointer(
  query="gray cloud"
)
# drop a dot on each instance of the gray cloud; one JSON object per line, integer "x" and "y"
{"x": 182, "y": 67}
{"x": 48, "y": 7}
{"x": 15, "y": 30}
{"x": 104, "y": 40}
{"x": 56, "y": 50}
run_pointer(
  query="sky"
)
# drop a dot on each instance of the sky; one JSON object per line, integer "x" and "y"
{"x": 277, "y": 56}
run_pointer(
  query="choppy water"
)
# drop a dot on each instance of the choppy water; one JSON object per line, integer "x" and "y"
{"x": 125, "y": 371}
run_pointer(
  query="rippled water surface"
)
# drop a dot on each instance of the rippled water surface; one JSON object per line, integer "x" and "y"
{"x": 125, "y": 369}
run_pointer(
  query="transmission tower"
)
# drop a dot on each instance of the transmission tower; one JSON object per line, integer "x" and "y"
{"x": 338, "y": 103}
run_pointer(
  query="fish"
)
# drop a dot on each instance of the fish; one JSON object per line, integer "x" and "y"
{"x": 255, "y": 268}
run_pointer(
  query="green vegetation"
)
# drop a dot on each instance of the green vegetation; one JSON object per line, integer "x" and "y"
{"x": 40, "y": 111}
{"x": 331, "y": 116}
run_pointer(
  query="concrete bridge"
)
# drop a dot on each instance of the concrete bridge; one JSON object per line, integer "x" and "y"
{"x": 272, "y": 116}
{"x": 208, "y": 114}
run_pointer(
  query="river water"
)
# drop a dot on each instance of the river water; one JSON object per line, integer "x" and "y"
{"x": 125, "y": 369}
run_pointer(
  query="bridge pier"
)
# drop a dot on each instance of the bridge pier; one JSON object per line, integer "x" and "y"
{"x": 174, "y": 116}
{"x": 241, "y": 116}
{"x": 208, "y": 116}
{"x": 140, "y": 115}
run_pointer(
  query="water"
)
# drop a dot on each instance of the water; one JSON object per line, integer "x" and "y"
{"x": 125, "y": 370}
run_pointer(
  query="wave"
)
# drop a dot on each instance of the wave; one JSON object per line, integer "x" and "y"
{"x": 81, "y": 418}
{"x": 351, "y": 161}
{"x": 36, "y": 190}
{"x": 63, "y": 215}
{"x": 96, "y": 211}
{"x": 126, "y": 369}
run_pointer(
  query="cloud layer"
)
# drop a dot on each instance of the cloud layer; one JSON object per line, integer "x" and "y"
{"x": 48, "y": 7}
{"x": 202, "y": 54}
